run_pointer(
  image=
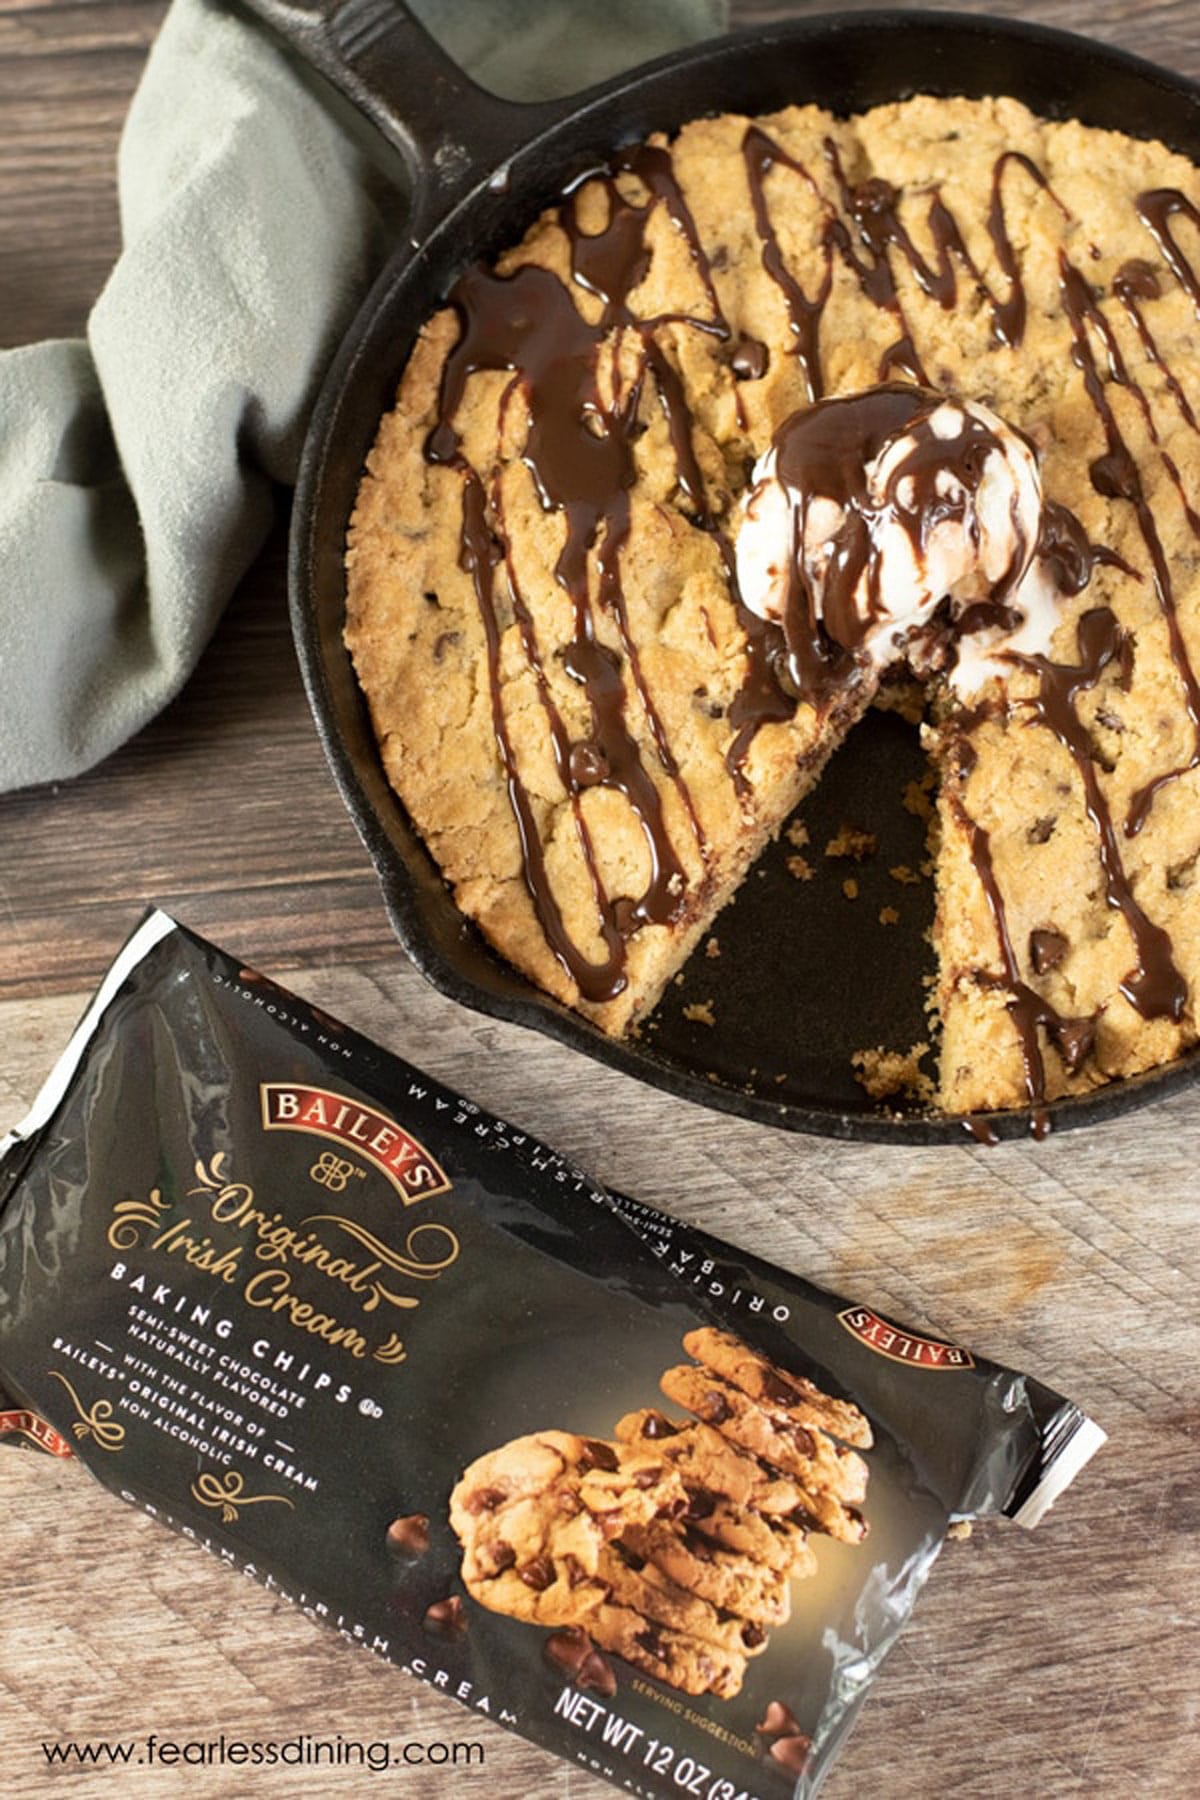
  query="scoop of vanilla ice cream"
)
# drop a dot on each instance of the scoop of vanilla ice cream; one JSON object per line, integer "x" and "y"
{"x": 948, "y": 506}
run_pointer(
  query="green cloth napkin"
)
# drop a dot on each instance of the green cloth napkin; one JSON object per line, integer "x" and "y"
{"x": 138, "y": 469}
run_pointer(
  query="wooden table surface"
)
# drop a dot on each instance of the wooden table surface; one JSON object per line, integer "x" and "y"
{"x": 1065, "y": 1662}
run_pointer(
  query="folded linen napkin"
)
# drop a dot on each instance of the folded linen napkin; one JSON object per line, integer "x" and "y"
{"x": 138, "y": 468}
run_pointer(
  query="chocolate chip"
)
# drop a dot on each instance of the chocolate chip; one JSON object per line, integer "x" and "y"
{"x": 446, "y": 1619}
{"x": 442, "y": 643}
{"x": 484, "y": 1500}
{"x": 537, "y": 1573}
{"x": 792, "y": 1753}
{"x": 409, "y": 1536}
{"x": 652, "y": 1643}
{"x": 714, "y": 1408}
{"x": 1136, "y": 280}
{"x": 875, "y": 196}
{"x": 574, "y": 1570}
{"x": 588, "y": 763}
{"x": 598, "y": 1455}
{"x": 495, "y": 1558}
{"x": 778, "y": 1721}
{"x": 1109, "y": 719}
{"x": 753, "y": 1635}
{"x": 749, "y": 360}
{"x": 1046, "y": 950}
{"x": 701, "y": 1504}
{"x": 596, "y": 1675}
{"x": 777, "y": 1388}
{"x": 568, "y": 1649}
{"x": 804, "y": 1441}
{"x": 1042, "y": 830}
{"x": 1075, "y": 1040}
{"x": 626, "y": 915}
{"x": 656, "y": 1426}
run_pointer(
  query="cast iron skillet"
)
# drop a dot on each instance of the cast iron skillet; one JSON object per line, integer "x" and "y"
{"x": 805, "y": 975}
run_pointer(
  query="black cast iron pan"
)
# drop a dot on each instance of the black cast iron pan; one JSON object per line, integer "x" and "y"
{"x": 805, "y": 976}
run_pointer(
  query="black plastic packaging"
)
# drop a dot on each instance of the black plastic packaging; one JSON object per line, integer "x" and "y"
{"x": 283, "y": 1291}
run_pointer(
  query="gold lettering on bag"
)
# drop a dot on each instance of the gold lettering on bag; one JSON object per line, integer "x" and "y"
{"x": 130, "y": 1217}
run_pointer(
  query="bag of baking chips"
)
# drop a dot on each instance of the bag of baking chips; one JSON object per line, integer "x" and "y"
{"x": 647, "y": 1500}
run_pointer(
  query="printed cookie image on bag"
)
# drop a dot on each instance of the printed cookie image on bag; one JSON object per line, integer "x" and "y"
{"x": 675, "y": 1544}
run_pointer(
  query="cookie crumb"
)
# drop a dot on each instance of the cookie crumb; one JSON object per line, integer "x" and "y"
{"x": 915, "y": 798}
{"x": 797, "y": 835}
{"x": 700, "y": 1013}
{"x": 960, "y": 1530}
{"x": 903, "y": 874}
{"x": 885, "y": 1073}
{"x": 800, "y": 867}
{"x": 850, "y": 888}
{"x": 712, "y": 949}
{"x": 888, "y": 915}
{"x": 852, "y": 842}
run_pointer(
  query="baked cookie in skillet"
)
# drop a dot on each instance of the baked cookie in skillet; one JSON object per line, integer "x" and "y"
{"x": 748, "y": 425}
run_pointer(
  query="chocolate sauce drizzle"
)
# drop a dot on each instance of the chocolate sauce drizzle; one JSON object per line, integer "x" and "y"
{"x": 1027, "y": 1008}
{"x": 579, "y": 452}
{"x": 824, "y": 453}
{"x": 1115, "y": 474}
{"x": 1155, "y": 987}
{"x": 872, "y": 207}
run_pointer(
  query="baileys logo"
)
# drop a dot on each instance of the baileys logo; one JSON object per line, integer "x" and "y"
{"x": 902, "y": 1346}
{"x": 412, "y": 1171}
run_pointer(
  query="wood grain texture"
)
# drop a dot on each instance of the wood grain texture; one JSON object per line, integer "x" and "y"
{"x": 1063, "y": 1663}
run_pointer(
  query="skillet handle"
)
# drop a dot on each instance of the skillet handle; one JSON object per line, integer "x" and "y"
{"x": 449, "y": 131}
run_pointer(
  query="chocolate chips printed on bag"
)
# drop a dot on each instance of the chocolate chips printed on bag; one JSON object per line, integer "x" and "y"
{"x": 644, "y": 1499}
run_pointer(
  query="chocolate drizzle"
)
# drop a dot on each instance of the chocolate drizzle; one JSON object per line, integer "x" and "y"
{"x": 1115, "y": 474}
{"x": 873, "y": 208}
{"x": 1155, "y": 987}
{"x": 826, "y": 453}
{"x": 1156, "y": 209}
{"x": 761, "y": 154}
{"x": 579, "y": 450}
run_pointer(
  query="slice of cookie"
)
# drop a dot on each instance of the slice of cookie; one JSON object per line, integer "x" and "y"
{"x": 778, "y": 1392}
{"x": 537, "y": 1536}
{"x": 694, "y": 1665}
{"x": 708, "y": 1463}
{"x": 830, "y": 1480}
{"x": 681, "y": 1662}
{"x": 778, "y": 1544}
{"x": 732, "y": 1582}
{"x": 617, "y": 1484}
{"x": 563, "y": 1560}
